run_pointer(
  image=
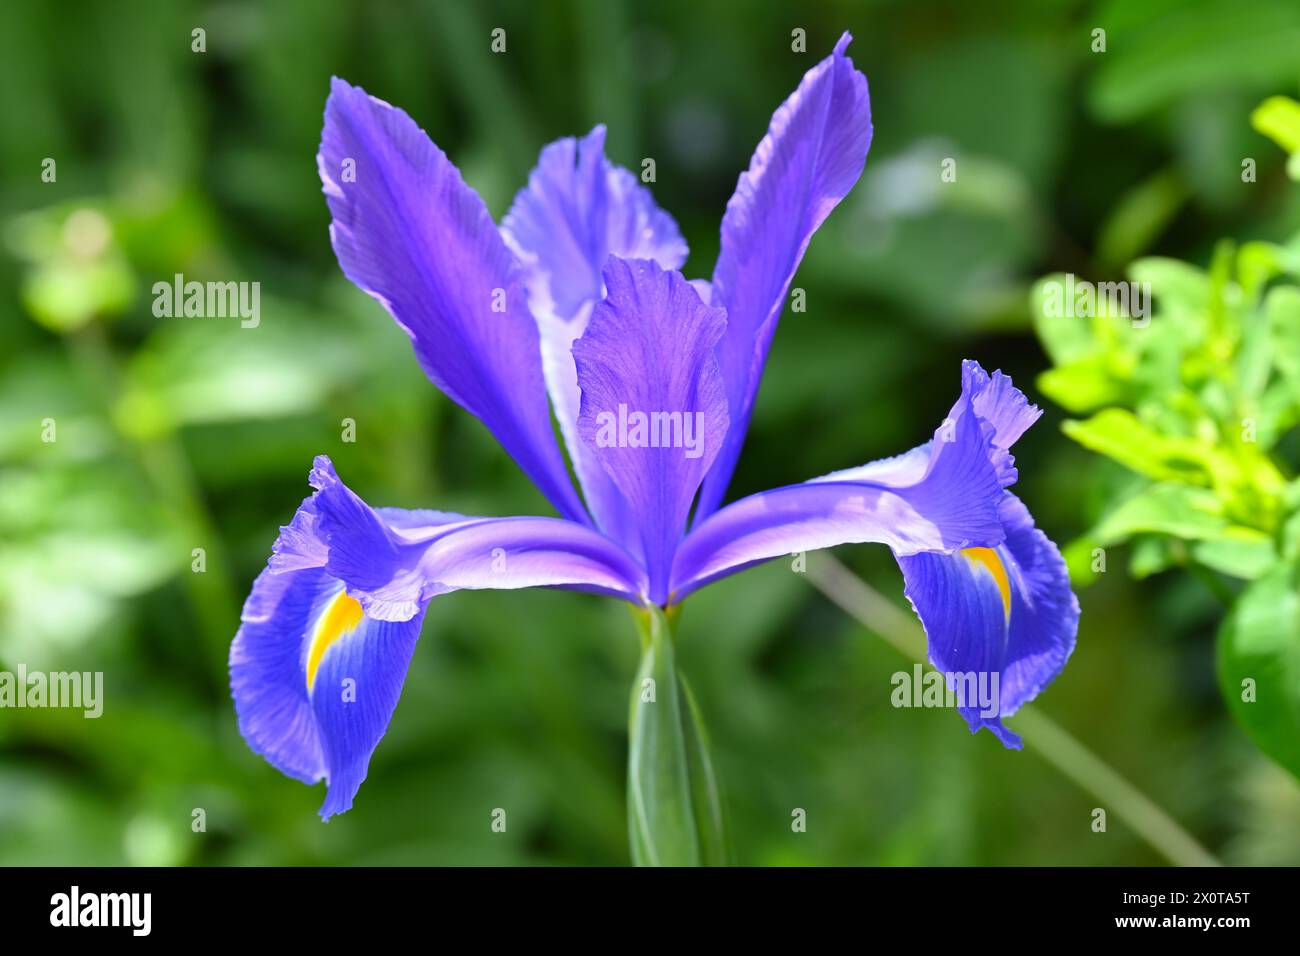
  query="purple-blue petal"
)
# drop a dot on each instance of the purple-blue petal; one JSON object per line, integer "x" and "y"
{"x": 1025, "y": 640}
{"x": 409, "y": 231}
{"x": 329, "y": 628}
{"x": 950, "y": 503}
{"x": 653, "y": 410}
{"x": 578, "y": 209}
{"x": 324, "y": 728}
{"x": 1022, "y": 636}
{"x": 1004, "y": 410}
{"x": 267, "y": 675}
{"x": 1044, "y": 609}
{"x": 353, "y": 697}
{"x": 811, "y": 157}
{"x": 393, "y": 569}
{"x": 1003, "y": 406}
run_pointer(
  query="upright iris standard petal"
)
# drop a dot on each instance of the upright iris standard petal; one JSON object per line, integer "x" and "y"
{"x": 653, "y": 407}
{"x": 576, "y": 211}
{"x": 948, "y": 504}
{"x": 810, "y": 158}
{"x": 327, "y": 633}
{"x": 408, "y": 231}
{"x": 1000, "y": 622}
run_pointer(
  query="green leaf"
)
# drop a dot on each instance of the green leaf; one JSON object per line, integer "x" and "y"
{"x": 1259, "y": 664}
{"x": 1162, "y": 515}
{"x": 1083, "y": 386}
{"x": 1178, "y": 510}
{"x": 1278, "y": 118}
{"x": 1118, "y": 434}
{"x": 1248, "y": 558}
{"x": 1282, "y": 306}
{"x": 706, "y": 794}
{"x": 1065, "y": 338}
{"x": 673, "y": 800}
{"x": 1181, "y": 289}
{"x": 1257, "y": 263}
{"x": 1153, "y": 553}
{"x": 204, "y": 371}
{"x": 65, "y": 295}
{"x": 1140, "y": 216}
{"x": 1161, "y": 52}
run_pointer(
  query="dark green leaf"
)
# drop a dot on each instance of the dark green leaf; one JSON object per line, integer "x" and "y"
{"x": 1259, "y": 665}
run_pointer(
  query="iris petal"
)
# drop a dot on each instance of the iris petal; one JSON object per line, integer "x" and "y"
{"x": 948, "y": 504}
{"x": 353, "y": 698}
{"x": 1009, "y": 614}
{"x": 328, "y": 631}
{"x": 409, "y": 231}
{"x": 313, "y": 694}
{"x": 394, "y": 569}
{"x": 576, "y": 211}
{"x": 267, "y": 676}
{"x": 1002, "y": 405}
{"x": 811, "y": 157}
{"x": 1006, "y": 610}
{"x": 653, "y": 409}
{"x": 993, "y": 398}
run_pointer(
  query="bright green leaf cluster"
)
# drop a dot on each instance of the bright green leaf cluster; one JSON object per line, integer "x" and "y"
{"x": 1190, "y": 380}
{"x": 1193, "y": 398}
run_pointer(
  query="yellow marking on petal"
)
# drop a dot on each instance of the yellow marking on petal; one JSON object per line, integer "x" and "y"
{"x": 993, "y": 564}
{"x": 341, "y": 616}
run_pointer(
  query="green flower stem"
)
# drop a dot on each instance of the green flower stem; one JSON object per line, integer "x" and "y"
{"x": 1053, "y": 742}
{"x": 674, "y": 805}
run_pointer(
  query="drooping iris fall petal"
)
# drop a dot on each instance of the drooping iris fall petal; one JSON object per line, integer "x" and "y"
{"x": 1005, "y": 615}
{"x": 327, "y": 633}
{"x": 948, "y": 504}
{"x": 1002, "y": 614}
{"x": 315, "y": 680}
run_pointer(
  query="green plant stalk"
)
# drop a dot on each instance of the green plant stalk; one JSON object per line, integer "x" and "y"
{"x": 1051, "y": 741}
{"x": 674, "y": 804}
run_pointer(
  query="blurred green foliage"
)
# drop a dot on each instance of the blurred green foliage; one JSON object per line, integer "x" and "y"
{"x": 177, "y": 434}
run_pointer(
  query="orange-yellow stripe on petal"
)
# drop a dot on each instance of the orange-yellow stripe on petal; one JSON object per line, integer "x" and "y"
{"x": 341, "y": 616}
{"x": 989, "y": 559}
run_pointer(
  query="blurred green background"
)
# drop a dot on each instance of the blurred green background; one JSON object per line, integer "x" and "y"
{"x": 175, "y": 434}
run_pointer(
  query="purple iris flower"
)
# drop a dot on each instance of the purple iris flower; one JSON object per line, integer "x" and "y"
{"x": 652, "y": 379}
